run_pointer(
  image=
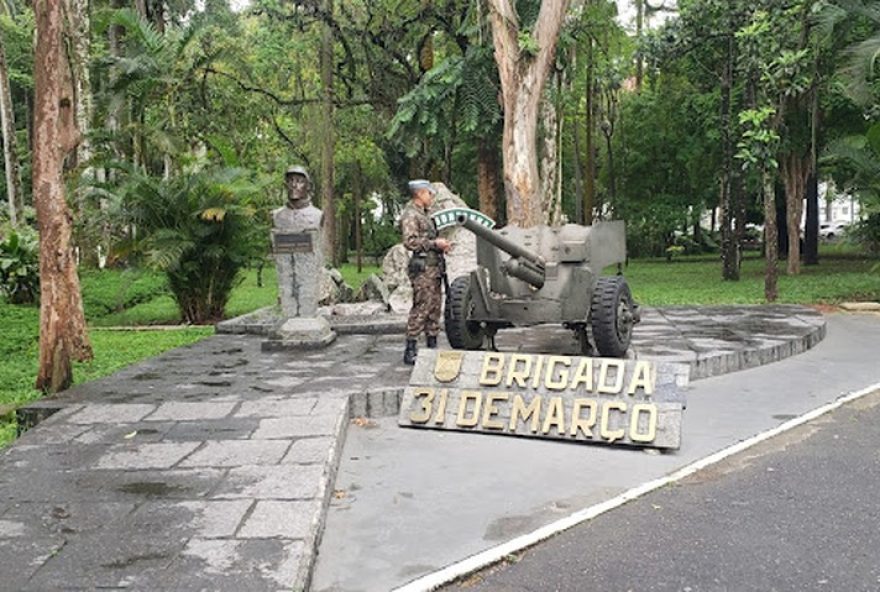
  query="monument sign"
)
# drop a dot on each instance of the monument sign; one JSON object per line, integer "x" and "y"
{"x": 602, "y": 400}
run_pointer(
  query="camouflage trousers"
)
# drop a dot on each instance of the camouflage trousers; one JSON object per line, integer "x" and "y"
{"x": 427, "y": 300}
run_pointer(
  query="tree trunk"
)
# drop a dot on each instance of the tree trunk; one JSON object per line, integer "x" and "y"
{"x": 770, "y": 236}
{"x": 590, "y": 172}
{"x": 729, "y": 263}
{"x": 487, "y": 178}
{"x": 551, "y": 120}
{"x": 62, "y": 322}
{"x": 80, "y": 35}
{"x": 358, "y": 230}
{"x": 612, "y": 178}
{"x": 328, "y": 141}
{"x": 640, "y": 23}
{"x": 795, "y": 172}
{"x": 522, "y": 83}
{"x": 10, "y": 153}
{"x": 811, "y": 225}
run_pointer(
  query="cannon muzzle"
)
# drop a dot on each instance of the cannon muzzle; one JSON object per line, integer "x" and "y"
{"x": 523, "y": 265}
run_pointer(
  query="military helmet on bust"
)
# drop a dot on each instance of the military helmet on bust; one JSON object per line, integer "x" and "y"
{"x": 297, "y": 170}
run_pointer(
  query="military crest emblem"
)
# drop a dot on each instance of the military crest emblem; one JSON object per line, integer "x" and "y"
{"x": 448, "y": 365}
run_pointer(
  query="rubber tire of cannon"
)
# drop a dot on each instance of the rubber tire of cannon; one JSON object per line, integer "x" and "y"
{"x": 461, "y": 333}
{"x": 611, "y": 300}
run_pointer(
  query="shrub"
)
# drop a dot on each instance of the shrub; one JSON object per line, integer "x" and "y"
{"x": 199, "y": 229}
{"x": 20, "y": 267}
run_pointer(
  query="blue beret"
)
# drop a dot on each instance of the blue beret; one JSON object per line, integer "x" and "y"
{"x": 421, "y": 184}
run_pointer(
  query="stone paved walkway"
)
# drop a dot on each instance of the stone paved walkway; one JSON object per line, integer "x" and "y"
{"x": 206, "y": 468}
{"x": 210, "y": 467}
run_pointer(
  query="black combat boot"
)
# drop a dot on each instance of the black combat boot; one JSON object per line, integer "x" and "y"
{"x": 431, "y": 341}
{"x": 409, "y": 354}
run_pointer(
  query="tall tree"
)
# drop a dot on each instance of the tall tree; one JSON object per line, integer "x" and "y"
{"x": 80, "y": 36}
{"x": 10, "y": 150}
{"x": 62, "y": 322}
{"x": 524, "y": 56}
{"x": 328, "y": 140}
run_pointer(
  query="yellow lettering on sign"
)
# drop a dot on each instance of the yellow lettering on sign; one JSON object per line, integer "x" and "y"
{"x": 555, "y": 416}
{"x": 611, "y": 435}
{"x": 440, "y": 417}
{"x": 644, "y": 376}
{"x": 634, "y": 433}
{"x": 462, "y": 420}
{"x": 489, "y": 409}
{"x": 424, "y": 397}
{"x": 617, "y": 385}
{"x": 580, "y": 423}
{"x": 583, "y": 375}
{"x": 519, "y": 409}
{"x": 536, "y": 378}
{"x": 553, "y": 381}
{"x": 493, "y": 365}
{"x": 517, "y": 375}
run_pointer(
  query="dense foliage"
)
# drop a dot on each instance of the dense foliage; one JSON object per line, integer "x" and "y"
{"x": 677, "y": 122}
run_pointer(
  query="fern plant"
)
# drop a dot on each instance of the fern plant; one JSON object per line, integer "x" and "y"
{"x": 200, "y": 229}
{"x": 20, "y": 266}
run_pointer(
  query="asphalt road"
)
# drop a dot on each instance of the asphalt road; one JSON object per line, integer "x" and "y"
{"x": 799, "y": 512}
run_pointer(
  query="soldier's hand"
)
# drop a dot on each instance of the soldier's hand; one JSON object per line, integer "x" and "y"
{"x": 443, "y": 245}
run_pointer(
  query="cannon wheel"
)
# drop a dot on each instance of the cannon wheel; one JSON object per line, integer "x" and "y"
{"x": 611, "y": 316}
{"x": 462, "y": 333}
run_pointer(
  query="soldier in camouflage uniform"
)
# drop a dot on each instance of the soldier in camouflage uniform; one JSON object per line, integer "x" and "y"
{"x": 420, "y": 237}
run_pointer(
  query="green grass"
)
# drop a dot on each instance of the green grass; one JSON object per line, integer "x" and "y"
{"x": 841, "y": 275}
{"x": 354, "y": 278}
{"x": 113, "y": 350}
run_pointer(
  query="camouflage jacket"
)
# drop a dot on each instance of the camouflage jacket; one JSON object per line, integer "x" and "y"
{"x": 418, "y": 230}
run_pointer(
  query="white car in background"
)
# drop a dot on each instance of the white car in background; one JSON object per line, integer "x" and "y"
{"x": 832, "y": 230}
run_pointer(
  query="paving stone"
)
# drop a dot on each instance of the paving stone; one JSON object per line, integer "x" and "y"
{"x": 11, "y": 528}
{"x": 52, "y": 457}
{"x": 213, "y": 429}
{"x": 237, "y": 453}
{"x": 117, "y": 433}
{"x": 113, "y": 559}
{"x": 123, "y": 485}
{"x": 297, "y": 427}
{"x": 330, "y": 404}
{"x": 21, "y": 558}
{"x": 98, "y": 413}
{"x": 311, "y": 450}
{"x": 146, "y": 456}
{"x": 277, "y": 407}
{"x": 282, "y": 519}
{"x": 238, "y": 565}
{"x": 178, "y": 411}
{"x": 285, "y": 381}
{"x": 64, "y": 518}
{"x": 61, "y": 433}
{"x": 273, "y": 482}
{"x": 213, "y": 519}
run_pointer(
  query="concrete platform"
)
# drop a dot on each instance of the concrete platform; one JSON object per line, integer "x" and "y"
{"x": 409, "y": 503}
{"x": 211, "y": 466}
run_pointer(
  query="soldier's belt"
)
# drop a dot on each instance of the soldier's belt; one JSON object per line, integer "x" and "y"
{"x": 431, "y": 259}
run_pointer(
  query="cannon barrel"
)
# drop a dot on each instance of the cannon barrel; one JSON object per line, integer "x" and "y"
{"x": 524, "y": 264}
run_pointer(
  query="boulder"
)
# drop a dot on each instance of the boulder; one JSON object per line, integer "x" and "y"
{"x": 358, "y": 309}
{"x": 333, "y": 288}
{"x": 394, "y": 267}
{"x": 462, "y": 259}
{"x": 373, "y": 289}
{"x": 401, "y": 299}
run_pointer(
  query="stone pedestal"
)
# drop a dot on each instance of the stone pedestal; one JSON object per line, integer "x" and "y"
{"x": 300, "y": 333}
{"x": 296, "y": 243}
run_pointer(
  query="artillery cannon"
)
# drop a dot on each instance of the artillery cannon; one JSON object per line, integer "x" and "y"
{"x": 543, "y": 275}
